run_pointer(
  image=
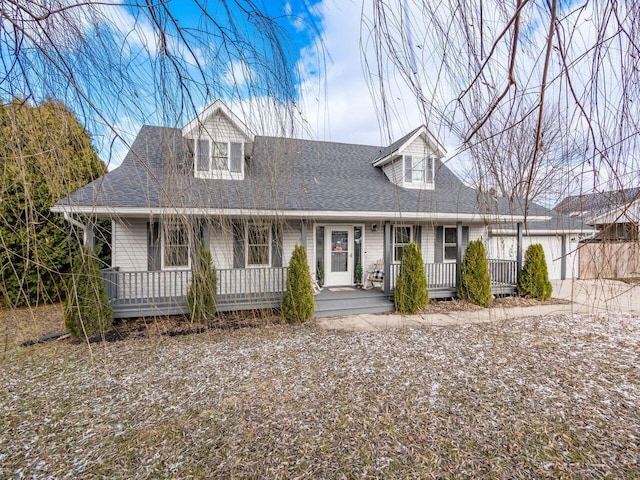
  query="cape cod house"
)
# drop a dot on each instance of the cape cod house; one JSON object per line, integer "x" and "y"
{"x": 250, "y": 199}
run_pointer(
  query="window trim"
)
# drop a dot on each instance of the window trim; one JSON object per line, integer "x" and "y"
{"x": 445, "y": 244}
{"x": 429, "y": 171}
{"x": 163, "y": 243}
{"x": 410, "y": 227}
{"x": 218, "y": 173}
{"x": 268, "y": 227}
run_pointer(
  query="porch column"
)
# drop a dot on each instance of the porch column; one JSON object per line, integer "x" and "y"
{"x": 303, "y": 233}
{"x": 519, "y": 250}
{"x": 89, "y": 236}
{"x": 458, "y": 253}
{"x": 387, "y": 257}
{"x": 563, "y": 257}
{"x": 204, "y": 234}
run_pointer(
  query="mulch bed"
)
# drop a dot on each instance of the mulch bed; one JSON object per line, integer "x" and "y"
{"x": 25, "y": 324}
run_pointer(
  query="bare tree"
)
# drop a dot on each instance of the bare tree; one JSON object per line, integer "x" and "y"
{"x": 534, "y": 84}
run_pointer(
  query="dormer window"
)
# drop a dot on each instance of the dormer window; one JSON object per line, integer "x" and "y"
{"x": 223, "y": 160}
{"x": 418, "y": 171}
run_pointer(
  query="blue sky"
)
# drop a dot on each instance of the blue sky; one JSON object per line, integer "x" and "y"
{"x": 323, "y": 42}
{"x": 327, "y": 44}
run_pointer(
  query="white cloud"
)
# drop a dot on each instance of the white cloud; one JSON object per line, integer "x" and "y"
{"x": 239, "y": 74}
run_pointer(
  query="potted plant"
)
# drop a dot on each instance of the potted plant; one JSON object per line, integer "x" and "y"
{"x": 320, "y": 273}
{"x": 358, "y": 275}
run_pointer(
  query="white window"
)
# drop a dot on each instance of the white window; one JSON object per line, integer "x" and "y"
{"x": 258, "y": 245}
{"x": 418, "y": 170}
{"x": 219, "y": 155}
{"x": 401, "y": 238}
{"x": 175, "y": 246}
{"x": 219, "y": 159}
{"x": 450, "y": 244}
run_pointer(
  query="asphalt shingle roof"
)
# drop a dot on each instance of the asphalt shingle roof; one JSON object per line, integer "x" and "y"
{"x": 283, "y": 174}
{"x": 593, "y": 204}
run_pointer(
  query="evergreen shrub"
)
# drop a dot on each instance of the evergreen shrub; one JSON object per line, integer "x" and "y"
{"x": 475, "y": 282}
{"x": 411, "y": 293}
{"x": 534, "y": 277}
{"x": 45, "y": 154}
{"x": 202, "y": 298}
{"x": 87, "y": 311}
{"x": 298, "y": 304}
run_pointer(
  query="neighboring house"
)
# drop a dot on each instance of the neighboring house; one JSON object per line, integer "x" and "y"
{"x": 614, "y": 214}
{"x": 250, "y": 199}
{"x": 613, "y": 251}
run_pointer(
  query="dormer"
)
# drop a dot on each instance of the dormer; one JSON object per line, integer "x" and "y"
{"x": 221, "y": 143}
{"x": 409, "y": 162}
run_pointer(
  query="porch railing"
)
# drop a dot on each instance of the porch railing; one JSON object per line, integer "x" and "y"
{"x": 130, "y": 288}
{"x": 252, "y": 281}
{"x": 439, "y": 275}
{"x": 503, "y": 272}
{"x": 157, "y": 287}
{"x": 443, "y": 275}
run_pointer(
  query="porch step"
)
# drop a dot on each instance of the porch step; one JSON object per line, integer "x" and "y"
{"x": 345, "y": 301}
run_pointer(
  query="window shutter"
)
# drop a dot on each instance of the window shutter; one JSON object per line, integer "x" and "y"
{"x": 154, "y": 261}
{"x": 465, "y": 238}
{"x": 235, "y": 158}
{"x": 417, "y": 235}
{"x": 439, "y": 244}
{"x": 429, "y": 170}
{"x": 204, "y": 156}
{"x": 276, "y": 246}
{"x": 408, "y": 164}
{"x": 238, "y": 245}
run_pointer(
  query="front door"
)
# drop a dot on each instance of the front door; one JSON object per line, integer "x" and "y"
{"x": 339, "y": 256}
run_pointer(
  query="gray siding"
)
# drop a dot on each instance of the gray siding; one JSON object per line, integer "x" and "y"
{"x": 130, "y": 244}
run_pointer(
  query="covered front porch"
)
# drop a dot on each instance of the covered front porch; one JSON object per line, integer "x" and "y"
{"x": 159, "y": 293}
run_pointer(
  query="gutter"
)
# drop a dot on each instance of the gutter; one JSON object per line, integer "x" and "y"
{"x": 297, "y": 214}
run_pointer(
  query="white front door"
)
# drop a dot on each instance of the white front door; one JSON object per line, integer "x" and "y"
{"x": 338, "y": 243}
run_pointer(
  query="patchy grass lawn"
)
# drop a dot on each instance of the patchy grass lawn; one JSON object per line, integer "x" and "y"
{"x": 553, "y": 397}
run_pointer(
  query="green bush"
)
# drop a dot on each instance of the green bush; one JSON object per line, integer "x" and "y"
{"x": 45, "y": 154}
{"x": 87, "y": 311}
{"x": 411, "y": 294}
{"x": 534, "y": 277}
{"x": 475, "y": 283}
{"x": 202, "y": 298}
{"x": 298, "y": 304}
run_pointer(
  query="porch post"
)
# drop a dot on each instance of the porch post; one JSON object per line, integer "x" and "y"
{"x": 89, "y": 236}
{"x": 458, "y": 253}
{"x": 387, "y": 257}
{"x": 519, "y": 251}
{"x": 303, "y": 233}
{"x": 204, "y": 234}
{"x": 563, "y": 257}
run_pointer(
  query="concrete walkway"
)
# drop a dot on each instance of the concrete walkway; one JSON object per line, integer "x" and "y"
{"x": 586, "y": 297}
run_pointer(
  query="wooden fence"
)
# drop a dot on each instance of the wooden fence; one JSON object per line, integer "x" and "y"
{"x": 609, "y": 260}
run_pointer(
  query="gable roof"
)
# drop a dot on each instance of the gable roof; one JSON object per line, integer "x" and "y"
{"x": 286, "y": 177}
{"x": 590, "y": 206}
{"x": 216, "y": 107}
{"x": 388, "y": 152}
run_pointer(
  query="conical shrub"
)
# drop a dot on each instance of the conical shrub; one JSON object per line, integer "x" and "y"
{"x": 202, "y": 298}
{"x": 298, "y": 304}
{"x": 411, "y": 294}
{"x": 475, "y": 282}
{"x": 87, "y": 311}
{"x": 534, "y": 277}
